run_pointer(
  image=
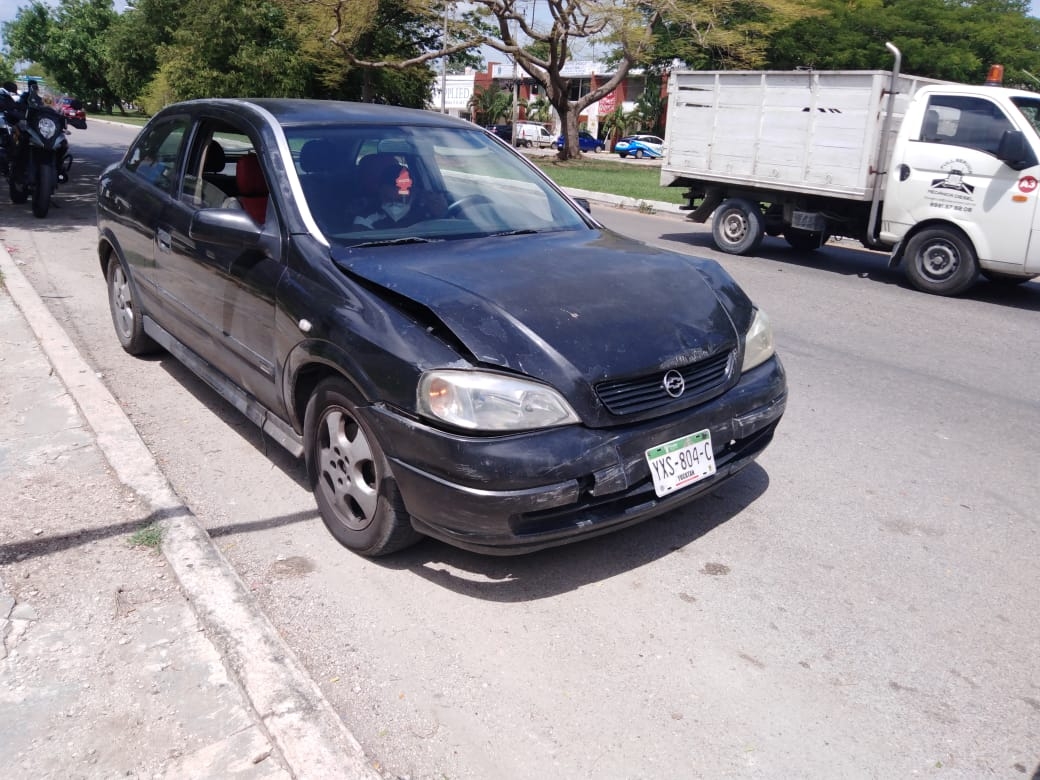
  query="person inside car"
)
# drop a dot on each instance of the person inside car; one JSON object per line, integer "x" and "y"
{"x": 397, "y": 200}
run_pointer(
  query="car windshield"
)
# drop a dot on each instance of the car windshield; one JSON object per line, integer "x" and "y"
{"x": 380, "y": 185}
{"x": 1030, "y": 109}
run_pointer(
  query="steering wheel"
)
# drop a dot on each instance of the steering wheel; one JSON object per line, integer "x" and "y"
{"x": 465, "y": 201}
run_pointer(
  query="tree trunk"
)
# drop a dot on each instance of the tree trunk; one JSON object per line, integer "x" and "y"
{"x": 569, "y": 121}
{"x": 367, "y": 91}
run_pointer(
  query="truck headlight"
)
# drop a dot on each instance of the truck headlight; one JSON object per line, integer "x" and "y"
{"x": 483, "y": 401}
{"x": 758, "y": 342}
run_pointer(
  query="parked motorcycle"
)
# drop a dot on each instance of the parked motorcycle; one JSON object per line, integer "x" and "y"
{"x": 34, "y": 152}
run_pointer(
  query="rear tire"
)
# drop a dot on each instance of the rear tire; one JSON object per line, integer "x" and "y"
{"x": 355, "y": 491}
{"x": 638, "y": 154}
{"x": 127, "y": 316}
{"x": 738, "y": 226}
{"x": 46, "y": 179}
{"x": 941, "y": 261}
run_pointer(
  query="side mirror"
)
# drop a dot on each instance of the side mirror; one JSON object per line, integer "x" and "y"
{"x": 1015, "y": 151}
{"x": 584, "y": 203}
{"x": 225, "y": 227}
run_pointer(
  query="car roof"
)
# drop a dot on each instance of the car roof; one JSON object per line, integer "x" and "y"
{"x": 295, "y": 111}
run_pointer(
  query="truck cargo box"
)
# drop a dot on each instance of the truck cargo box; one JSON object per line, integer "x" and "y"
{"x": 815, "y": 132}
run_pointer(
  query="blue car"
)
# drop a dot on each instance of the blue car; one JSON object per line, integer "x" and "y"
{"x": 587, "y": 142}
{"x": 640, "y": 146}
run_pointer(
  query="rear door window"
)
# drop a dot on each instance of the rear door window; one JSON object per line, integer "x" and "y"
{"x": 154, "y": 157}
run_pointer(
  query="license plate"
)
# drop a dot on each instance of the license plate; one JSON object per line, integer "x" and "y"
{"x": 681, "y": 462}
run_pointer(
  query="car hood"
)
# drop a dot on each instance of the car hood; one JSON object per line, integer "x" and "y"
{"x": 567, "y": 308}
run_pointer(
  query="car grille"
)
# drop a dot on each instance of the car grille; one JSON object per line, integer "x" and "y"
{"x": 647, "y": 392}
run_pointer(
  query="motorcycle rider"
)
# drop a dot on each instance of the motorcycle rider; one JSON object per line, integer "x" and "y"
{"x": 12, "y": 112}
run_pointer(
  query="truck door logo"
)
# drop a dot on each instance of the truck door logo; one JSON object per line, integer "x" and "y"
{"x": 1027, "y": 183}
{"x": 954, "y": 180}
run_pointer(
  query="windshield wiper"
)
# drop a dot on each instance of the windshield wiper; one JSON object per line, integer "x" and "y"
{"x": 397, "y": 241}
{"x": 517, "y": 232}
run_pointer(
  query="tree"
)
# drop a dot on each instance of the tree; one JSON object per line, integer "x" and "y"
{"x": 639, "y": 32}
{"x": 955, "y": 40}
{"x": 491, "y": 104}
{"x": 27, "y": 34}
{"x": 650, "y": 109}
{"x": 381, "y": 47}
{"x": 233, "y": 48}
{"x": 133, "y": 43}
{"x": 6, "y": 70}
{"x": 618, "y": 123}
{"x": 539, "y": 110}
{"x": 69, "y": 43}
{"x": 717, "y": 35}
{"x": 541, "y": 50}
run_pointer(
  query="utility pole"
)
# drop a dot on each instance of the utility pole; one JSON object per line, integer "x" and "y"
{"x": 516, "y": 81}
{"x": 444, "y": 61}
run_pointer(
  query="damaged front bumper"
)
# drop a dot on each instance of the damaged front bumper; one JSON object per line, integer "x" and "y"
{"x": 515, "y": 494}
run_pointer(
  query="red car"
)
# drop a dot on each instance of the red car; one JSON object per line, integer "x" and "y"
{"x": 72, "y": 108}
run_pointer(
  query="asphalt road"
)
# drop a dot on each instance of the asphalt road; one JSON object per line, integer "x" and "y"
{"x": 860, "y": 603}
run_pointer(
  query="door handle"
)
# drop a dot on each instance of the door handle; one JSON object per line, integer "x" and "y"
{"x": 163, "y": 237}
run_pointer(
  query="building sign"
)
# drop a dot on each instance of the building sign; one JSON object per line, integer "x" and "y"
{"x": 457, "y": 93}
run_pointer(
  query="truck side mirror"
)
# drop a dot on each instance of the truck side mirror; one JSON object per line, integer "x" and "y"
{"x": 1015, "y": 151}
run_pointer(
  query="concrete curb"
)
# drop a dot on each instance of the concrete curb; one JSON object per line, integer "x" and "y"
{"x": 621, "y": 202}
{"x": 312, "y": 739}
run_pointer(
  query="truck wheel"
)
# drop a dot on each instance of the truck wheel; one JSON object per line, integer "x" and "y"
{"x": 738, "y": 226}
{"x": 350, "y": 476}
{"x": 941, "y": 261}
{"x": 805, "y": 240}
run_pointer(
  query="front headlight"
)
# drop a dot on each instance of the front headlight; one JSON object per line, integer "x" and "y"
{"x": 758, "y": 343}
{"x": 482, "y": 401}
{"x": 47, "y": 127}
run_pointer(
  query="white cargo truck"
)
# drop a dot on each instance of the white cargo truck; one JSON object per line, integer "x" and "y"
{"x": 944, "y": 176}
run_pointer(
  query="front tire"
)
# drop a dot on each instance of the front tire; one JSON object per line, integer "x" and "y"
{"x": 638, "y": 154}
{"x": 127, "y": 316}
{"x": 738, "y": 226}
{"x": 357, "y": 496}
{"x": 46, "y": 179}
{"x": 941, "y": 261}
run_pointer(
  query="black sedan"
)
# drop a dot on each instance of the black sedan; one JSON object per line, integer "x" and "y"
{"x": 455, "y": 347}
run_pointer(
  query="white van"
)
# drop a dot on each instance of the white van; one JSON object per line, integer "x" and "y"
{"x": 532, "y": 134}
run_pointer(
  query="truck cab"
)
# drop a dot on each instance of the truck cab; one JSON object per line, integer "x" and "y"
{"x": 961, "y": 189}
